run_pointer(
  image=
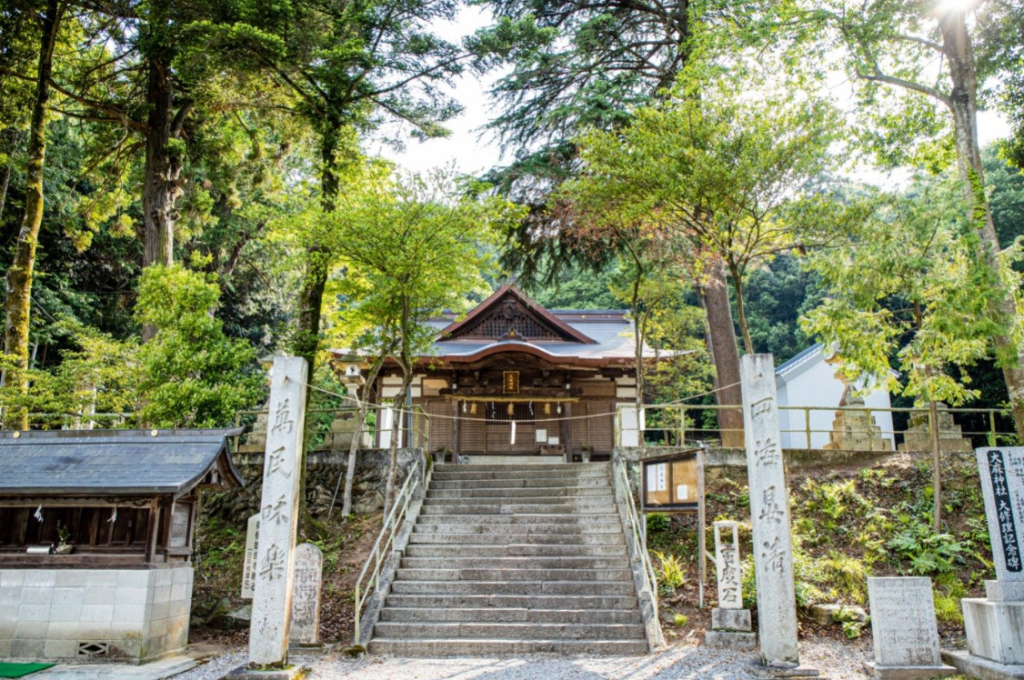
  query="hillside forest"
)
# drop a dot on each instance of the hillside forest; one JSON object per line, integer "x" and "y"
{"x": 188, "y": 188}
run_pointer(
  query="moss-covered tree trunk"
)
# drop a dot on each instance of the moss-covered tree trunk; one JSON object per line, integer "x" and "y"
{"x": 19, "y": 277}
{"x": 963, "y": 103}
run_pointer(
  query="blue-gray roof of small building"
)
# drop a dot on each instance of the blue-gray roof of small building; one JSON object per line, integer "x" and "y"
{"x": 101, "y": 463}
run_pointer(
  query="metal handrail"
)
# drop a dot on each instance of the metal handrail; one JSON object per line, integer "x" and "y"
{"x": 638, "y": 535}
{"x": 381, "y": 547}
{"x": 992, "y": 433}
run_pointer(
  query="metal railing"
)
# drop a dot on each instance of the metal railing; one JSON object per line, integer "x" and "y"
{"x": 636, "y": 534}
{"x": 369, "y": 577}
{"x": 675, "y": 424}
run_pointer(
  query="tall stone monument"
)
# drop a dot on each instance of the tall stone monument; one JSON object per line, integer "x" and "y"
{"x": 271, "y": 606}
{"x": 904, "y": 630}
{"x": 769, "y": 514}
{"x": 730, "y": 622}
{"x": 995, "y": 624}
{"x": 309, "y": 570}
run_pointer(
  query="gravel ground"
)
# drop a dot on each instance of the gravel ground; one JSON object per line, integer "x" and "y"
{"x": 836, "y": 660}
{"x": 214, "y": 669}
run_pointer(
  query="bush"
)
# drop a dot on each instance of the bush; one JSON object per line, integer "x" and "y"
{"x": 671, "y": 574}
{"x": 657, "y": 521}
{"x": 679, "y": 620}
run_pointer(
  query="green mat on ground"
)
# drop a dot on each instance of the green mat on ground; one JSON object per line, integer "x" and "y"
{"x": 20, "y": 670}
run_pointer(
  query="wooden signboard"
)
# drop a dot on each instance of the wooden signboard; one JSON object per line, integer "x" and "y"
{"x": 674, "y": 483}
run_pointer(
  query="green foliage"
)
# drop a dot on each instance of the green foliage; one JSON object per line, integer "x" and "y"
{"x": 927, "y": 301}
{"x": 657, "y": 521}
{"x": 680, "y": 620}
{"x": 927, "y": 552}
{"x": 192, "y": 374}
{"x": 947, "y": 602}
{"x": 671, "y": 574}
{"x": 853, "y": 625}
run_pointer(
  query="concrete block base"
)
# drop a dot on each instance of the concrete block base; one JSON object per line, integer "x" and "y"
{"x": 730, "y": 619}
{"x": 243, "y": 673}
{"x": 732, "y": 640}
{"x": 880, "y": 672}
{"x": 976, "y": 667}
{"x": 995, "y": 630}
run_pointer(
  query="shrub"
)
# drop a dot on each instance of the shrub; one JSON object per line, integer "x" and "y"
{"x": 671, "y": 574}
{"x": 680, "y": 620}
{"x": 657, "y": 521}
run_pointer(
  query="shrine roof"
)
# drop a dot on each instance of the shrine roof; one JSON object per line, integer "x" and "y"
{"x": 99, "y": 463}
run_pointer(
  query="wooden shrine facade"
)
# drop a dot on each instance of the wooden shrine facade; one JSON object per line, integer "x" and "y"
{"x": 515, "y": 378}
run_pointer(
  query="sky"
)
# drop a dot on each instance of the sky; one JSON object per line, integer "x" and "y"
{"x": 472, "y": 150}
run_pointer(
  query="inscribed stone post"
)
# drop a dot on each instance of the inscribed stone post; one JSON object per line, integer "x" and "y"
{"x": 271, "y": 607}
{"x": 249, "y": 565}
{"x": 903, "y": 629}
{"x": 309, "y": 567}
{"x": 769, "y": 514}
{"x": 727, "y": 565}
{"x": 1002, "y": 484}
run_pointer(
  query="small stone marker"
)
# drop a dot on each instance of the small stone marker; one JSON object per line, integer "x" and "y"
{"x": 903, "y": 629}
{"x": 271, "y": 606}
{"x": 727, "y": 564}
{"x": 769, "y": 514}
{"x": 309, "y": 567}
{"x": 249, "y": 565}
{"x": 730, "y": 623}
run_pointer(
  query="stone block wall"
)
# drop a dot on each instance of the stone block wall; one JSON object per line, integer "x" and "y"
{"x": 138, "y": 614}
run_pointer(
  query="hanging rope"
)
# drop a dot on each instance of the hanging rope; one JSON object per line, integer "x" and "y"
{"x": 443, "y": 416}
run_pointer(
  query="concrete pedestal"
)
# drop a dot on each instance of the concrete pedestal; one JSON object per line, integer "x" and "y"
{"x": 995, "y": 630}
{"x": 880, "y": 672}
{"x": 731, "y": 629}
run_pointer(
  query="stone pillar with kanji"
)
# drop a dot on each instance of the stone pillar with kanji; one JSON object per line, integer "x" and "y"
{"x": 271, "y": 607}
{"x": 769, "y": 515}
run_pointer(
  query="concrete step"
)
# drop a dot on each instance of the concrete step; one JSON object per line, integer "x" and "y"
{"x": 483, "y": 467}
{"x": 581, "y": 510}
{"x": 507, "y": 587}
{"x": 427, "y": 647}
{"x": 576, "y": 602}
{"x": 612, "y": 537}
{"x": 580, "y": 502}
{"x": 556, "y": 477}
{"x": 496, "y": 615}
{"x": 532, "y": 562}
{"x": 606, "y": 519}
{"x": 516, "y": 550}
{"x": 552, "y": 492}
{"x": 473, "y": 574}
{"x": 515, "y": 631}
{"x": 507, "y": 483}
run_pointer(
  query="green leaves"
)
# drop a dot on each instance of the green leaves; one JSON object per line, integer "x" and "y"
{"x": 908, "y": 283}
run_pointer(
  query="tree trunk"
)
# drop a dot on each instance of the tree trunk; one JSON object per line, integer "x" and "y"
{"x": 314, "y": 282}
{"x": 353, "y": 450}
{"x": 162, "y": 176}
{"x": 737, "y": 285}
{"x": 396, "y": 420}
{"x": 722, "y": 334}
{"x": 964, "y": 105}
{"x": 19, "y": 276}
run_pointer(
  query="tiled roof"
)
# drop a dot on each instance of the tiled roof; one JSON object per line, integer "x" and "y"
{"x": 112, "y": 462}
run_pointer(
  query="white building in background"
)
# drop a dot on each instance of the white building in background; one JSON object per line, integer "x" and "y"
{"x": 807, "y": 380}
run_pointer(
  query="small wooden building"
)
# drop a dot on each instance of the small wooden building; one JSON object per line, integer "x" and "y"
{"x": 513, "y": 378}
{"x": 96, "y": 534}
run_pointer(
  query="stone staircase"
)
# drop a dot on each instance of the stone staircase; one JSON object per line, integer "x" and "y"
{"x": 508, "y": 560}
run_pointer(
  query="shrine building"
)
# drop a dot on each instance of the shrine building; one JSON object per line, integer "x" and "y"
{"x": 513, "y": 378}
